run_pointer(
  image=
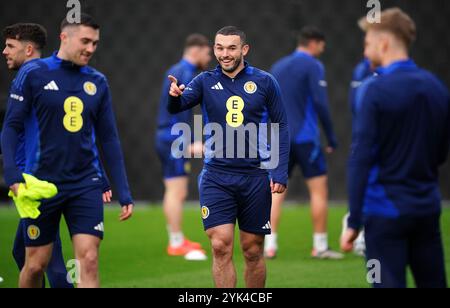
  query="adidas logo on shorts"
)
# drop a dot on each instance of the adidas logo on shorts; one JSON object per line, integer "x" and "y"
{"x": 100, "y": 227}
{"x": 268, "y": 226}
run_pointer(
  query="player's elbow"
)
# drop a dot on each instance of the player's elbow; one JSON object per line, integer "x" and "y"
{"x": 13, "y": 126}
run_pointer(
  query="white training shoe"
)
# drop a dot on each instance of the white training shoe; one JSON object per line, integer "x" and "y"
{"x": 196, "y": 255}
{"x": 327, "y": 255}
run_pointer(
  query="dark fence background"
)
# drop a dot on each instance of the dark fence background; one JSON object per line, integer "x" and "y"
{"x": 141, "y": 39}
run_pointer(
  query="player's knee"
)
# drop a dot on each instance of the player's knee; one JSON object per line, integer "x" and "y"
{"x": 252, "y": 253}
{"x": 89, "y": 260}
{"x": 179, "y": 194}
{"x": 182, "y": 194}
{"x": 222, "y": 248}
{"x": 35, "y": 268}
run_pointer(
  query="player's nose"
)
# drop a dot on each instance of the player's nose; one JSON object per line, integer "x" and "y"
{"x": 225, "y": 53}
{"x": 90, "y": 49}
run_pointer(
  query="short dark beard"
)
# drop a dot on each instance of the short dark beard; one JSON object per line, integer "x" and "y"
{"x": 15, "y": 67}
{"x": 234, "y": 68}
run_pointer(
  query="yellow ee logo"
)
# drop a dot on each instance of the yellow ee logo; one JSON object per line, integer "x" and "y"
{"x": 33, "y": 232}
{"x": 90, "y": 88}
{"x": 205, "y": 212}
{"x": 235, "y": 106}
{"x": 73, "y": 121}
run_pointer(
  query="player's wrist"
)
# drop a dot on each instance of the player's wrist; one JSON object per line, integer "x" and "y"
{"x": 332, "y": 143}
{"x": 280, "y": 181}
{"x": 106, "y": 189}
{"x": 354, "y": 223}
{"x": 13, "y": 176}
{"x": 126, "y": 202}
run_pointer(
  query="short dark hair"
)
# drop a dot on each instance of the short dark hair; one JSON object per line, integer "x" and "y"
{"x": 395, "y": 21}
{"x": 196, "y": 40}
{"x": 310, "y": 33}
{"x": 85, "y": 20}
{"x": 232, "y": 30}
{"x": 34, "y": 33}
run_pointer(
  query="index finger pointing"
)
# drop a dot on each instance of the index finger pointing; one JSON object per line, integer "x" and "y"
{"x": 173, "y": 79}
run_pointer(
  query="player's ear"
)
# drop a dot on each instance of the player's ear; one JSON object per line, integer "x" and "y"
{"x": 29, "y": 50}
{"x": 64, "y": 36}
{"x": 245, "y": 50}
{"x": 384, "y": 44}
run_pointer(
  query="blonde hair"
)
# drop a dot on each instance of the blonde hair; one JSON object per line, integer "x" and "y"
{"x": 395, "y": 21}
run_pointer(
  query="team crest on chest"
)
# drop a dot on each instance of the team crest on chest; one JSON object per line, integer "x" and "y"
{"x": 90, "y": 88}
{"x": 250, "y": 87}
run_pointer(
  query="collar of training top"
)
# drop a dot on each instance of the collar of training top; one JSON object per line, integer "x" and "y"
{"x": 402, "y": 64}
{"x": 247, "y": 70}
{"x": 64, "y": 63}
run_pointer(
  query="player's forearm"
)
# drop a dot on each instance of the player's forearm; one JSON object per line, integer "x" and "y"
{"x": 280, "y": 174}
{"x": 108, "y": 137}
{"x": 114, "y": 159}
{"x": 358, "y": 174}
{"x": 174, "y": 105}
{"x": 357, "y": 183}
{"x": 177, "y": 105}
{"x": 325, "y": 118}
{"x": 105, "y": 179}
{"x": 9, "y": 141}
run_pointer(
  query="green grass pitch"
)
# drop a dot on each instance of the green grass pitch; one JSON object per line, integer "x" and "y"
{"x": 133, "y": 253}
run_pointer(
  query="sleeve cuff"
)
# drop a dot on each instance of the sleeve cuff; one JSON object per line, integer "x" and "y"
{"x": 354, "y": 223}
{"x": 13, "y": 176}
{"x": 125, "y": 202}
{"x": 280, "y": 180}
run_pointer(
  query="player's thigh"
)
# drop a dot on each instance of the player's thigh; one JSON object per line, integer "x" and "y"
{"x": 38, "y": 257}
{"x": 311, "y": 160}
{"x": 84, "y": 212}
{"x": 253, "y": 244}
{"x": 387, "y": 243}
{"x": 318, "y": 186}
{"x": 44, "y": 229}
{"x": 177, "y": 185}
{"x": 217, "y": 199}
{"x": 255, "y": 204}
{"x": 427, "y": 254}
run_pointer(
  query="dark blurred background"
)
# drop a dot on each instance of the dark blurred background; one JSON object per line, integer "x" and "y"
{"x": 141, "y": 39}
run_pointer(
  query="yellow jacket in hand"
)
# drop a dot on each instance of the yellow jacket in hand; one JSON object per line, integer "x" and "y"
{"x": 30, "y": 194}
